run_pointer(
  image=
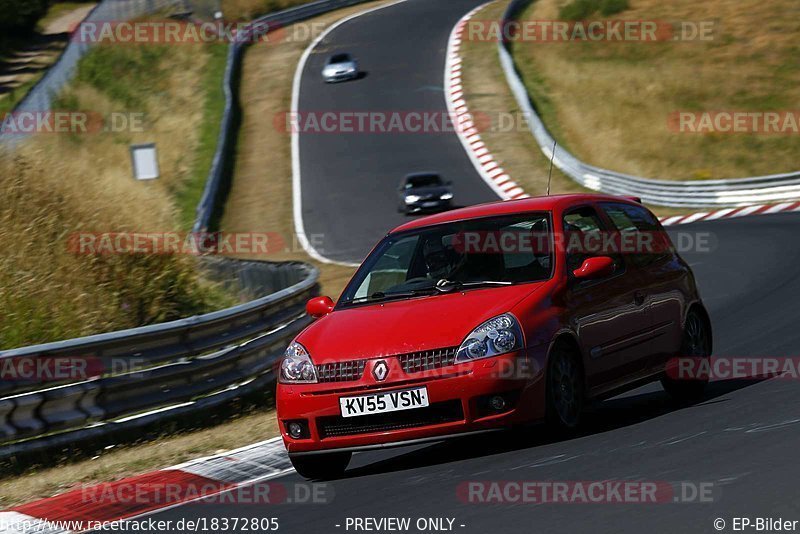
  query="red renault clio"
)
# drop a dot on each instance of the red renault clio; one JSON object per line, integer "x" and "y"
{"x": 489, "y": 317}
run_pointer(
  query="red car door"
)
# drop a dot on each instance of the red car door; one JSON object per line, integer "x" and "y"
{"x": 609, "y": 315}
{"x": 662, "y": 276}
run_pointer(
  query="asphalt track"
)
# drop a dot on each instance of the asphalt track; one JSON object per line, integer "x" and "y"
{"x": 742, "y": 437}
{"x": 349, "y": 180}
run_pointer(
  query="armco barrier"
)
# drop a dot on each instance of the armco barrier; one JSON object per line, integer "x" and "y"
{"x": 147, "y": 374}
{"x": 691, "y": 194}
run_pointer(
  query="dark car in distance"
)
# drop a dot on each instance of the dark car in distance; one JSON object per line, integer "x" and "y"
{"x": 424, "y": 191}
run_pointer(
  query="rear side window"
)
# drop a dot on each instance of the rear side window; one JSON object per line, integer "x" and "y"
{"x": 643, "y": 239}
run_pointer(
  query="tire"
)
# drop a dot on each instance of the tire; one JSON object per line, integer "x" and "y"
{"x": 696, "y": 344}
{"x": 564, "y": 390}
{"x": 321, "y": 466}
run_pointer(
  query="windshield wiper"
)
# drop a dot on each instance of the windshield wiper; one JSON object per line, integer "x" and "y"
{"x": 442, "y": 286}
{"x": 380, "y": 295}
{"x": 445, "y": 286}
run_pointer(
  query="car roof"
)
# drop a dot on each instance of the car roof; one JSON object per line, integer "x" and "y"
{"x": 340, "y": 56}
{"x": 510, "y": 207}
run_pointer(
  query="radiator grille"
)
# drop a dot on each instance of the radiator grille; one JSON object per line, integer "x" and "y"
{"x": 341, "y": 371}
{"x": 415, "y": 362}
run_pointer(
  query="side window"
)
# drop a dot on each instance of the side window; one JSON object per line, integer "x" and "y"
{"x": 581, "y": 228}
{"x": 641, "y": 237}
{"x": 528, "y": 258}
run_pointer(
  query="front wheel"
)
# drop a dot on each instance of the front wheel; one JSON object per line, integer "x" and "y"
{"x": 696, "y": 344}
{"x": 564, "y": 390}
{"x": 321, "y": 466}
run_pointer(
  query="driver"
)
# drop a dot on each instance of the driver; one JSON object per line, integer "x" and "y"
{"x": 436, "y": 257}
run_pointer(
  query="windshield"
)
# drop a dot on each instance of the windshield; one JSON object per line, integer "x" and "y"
{"x": 339, "y": 58}
{"x": 423, "y": 180}
{"x": 460, "y": 255}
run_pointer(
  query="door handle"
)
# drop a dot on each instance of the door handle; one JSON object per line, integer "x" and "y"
{"x": 639, "y": 297}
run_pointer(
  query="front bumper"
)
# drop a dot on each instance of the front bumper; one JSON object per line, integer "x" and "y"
{"x": 458, "y": 397}
{"x": 429, "y": 205}
{"x": 333, "y": 78}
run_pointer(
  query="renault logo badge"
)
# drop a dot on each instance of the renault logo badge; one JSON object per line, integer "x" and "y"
{"x": 380, "y": 371}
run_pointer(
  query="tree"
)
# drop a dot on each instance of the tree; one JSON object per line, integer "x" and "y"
{"x": 20, "y": 16}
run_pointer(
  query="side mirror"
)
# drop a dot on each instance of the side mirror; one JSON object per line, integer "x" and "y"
{"x": 594, "y": 268}
{"x": 319, "y": 307}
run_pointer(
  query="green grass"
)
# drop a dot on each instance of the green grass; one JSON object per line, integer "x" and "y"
{"x": 127, "y": 74}
{"x": 188, "y": 196}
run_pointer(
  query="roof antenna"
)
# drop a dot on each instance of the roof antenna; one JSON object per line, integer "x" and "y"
{"x": 550, "y": 174}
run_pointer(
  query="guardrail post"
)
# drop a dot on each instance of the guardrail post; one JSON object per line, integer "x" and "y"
{"x": 89, "y": 402}
{"x": 24, "y": 417}
{"x": 6, "y": 431}
{"x": 60, "y": 407}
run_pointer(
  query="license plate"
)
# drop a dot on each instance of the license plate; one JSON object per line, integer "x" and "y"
{"x": 429, "y": 204}
{"x": 391, "y": 401}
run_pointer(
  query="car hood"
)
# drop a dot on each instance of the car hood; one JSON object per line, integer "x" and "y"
{"x": 398, "y": 327}
{"x": 339, "y": 66}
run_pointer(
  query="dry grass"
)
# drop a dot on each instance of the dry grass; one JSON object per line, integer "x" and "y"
{"x": 121, "y": 462}
{"x": 260, "y": 199}
{"x": 60, "y": 184}
{"x": 487, "y": 93}
{"x": 64, "y": 16}
{"x": 610, "y": 102}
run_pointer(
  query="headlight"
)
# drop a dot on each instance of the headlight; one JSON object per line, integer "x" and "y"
{"x": 410, "y": 199}
{"x": 446, "y": 196}
{"x": 297, "y": 367}
{"x": 499, "y": 335}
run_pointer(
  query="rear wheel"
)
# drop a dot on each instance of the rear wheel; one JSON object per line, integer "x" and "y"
{"x": 564, "y": 390}
{"x": 696, "y": 344}
{"x": 321, "y": 466}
